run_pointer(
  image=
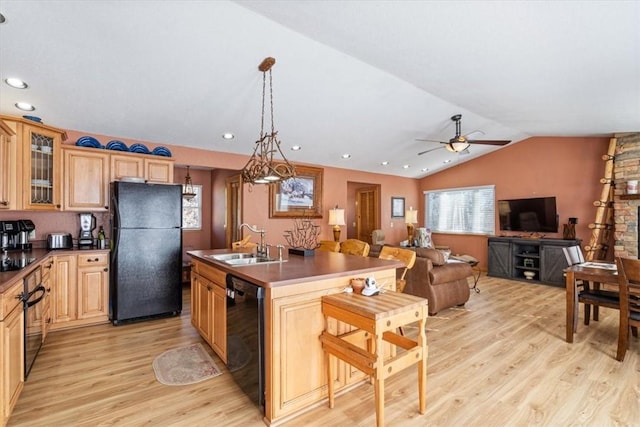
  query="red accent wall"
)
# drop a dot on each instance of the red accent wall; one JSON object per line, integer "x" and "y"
{"x": 567, "y": 168}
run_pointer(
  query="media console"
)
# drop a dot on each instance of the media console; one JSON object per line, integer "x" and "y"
{"x": 517, "y": 257}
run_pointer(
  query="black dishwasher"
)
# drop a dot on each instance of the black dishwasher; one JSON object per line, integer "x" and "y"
{"x": 245, "y": 337}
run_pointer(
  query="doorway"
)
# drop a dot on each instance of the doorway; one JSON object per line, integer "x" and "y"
{"x": 367, "y": 215}
{"x": 233, "y": 190}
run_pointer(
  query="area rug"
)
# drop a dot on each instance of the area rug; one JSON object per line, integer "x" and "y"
{"x": 185, "y": 365}
{"x": 238, "y": 354}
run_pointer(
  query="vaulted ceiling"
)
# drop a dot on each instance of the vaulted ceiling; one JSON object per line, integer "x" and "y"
{"x": 366, "y": 78}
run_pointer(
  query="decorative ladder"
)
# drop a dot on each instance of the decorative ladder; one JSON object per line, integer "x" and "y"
{"x": 602, "y": 228}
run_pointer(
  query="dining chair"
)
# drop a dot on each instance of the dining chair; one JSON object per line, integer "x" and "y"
{"x": 587, "y": 294}
{"x": 406, "y": 256}
{"x": 629, "y": 282}
{"x": 355, "y": 247}
{"x": 329, "y": 245}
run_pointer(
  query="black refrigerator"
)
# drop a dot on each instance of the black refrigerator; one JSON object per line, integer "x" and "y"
{"x": 146, "y": 253}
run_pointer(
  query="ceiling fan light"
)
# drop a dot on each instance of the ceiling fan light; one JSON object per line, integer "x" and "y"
{"x": 456, "y": 147}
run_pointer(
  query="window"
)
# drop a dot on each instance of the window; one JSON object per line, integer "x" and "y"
{"x": 461, "y": 210}
{"x": 192, "y": 210}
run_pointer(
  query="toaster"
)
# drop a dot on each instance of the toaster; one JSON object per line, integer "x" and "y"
{"x": 59, "y": 241}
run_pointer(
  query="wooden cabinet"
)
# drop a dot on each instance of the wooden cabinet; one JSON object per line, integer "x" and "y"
{"x": 159, "y": 171}
{"x": 64, "y": 292}
{"x": 46, "y": 301}
{"x": 93, "y": 287}
{"x": 122, "y": 165}
{"x": 511, "y": 257}
{"x": 153, "y": 169}
{"x": 11, "y": 350}
{"x": 209, "y": 306}
{"x": 86, "y": 180}
{"x": 88, "y": 172}
{"x": 7, "y": 166}
{"x": 37, "y": 164}
{"x": 499, "y": 258}
{"x": 80, "y": 291}
{"x": 299, "y": 349}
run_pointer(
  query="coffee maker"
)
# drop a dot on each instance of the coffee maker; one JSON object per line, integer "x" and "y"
{"x": 14, "y": 235}
{"x": 87, "y": 225}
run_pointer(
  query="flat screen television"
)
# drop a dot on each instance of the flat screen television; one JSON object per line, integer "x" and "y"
{"x": 532, "y": 215}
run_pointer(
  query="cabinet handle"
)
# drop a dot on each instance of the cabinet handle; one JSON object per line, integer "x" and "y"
{"x": 4, "y": 203}
{"x": 209, "y": 287}
{"x": 106, "y": 207}
{"x": 58, "y": 206}
{"x": 105, "y": 269}
{"x": 93, "y": 260}
{"x": 48, "y": 266}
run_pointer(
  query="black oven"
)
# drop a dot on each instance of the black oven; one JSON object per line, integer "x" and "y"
{"x": 32, "y": 302}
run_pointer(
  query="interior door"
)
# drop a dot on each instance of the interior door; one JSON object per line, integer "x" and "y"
{"x": 367, "y": 212}
{"x": 234, "y": 209}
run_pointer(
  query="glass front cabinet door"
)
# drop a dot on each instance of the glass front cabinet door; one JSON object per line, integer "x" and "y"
{"x": 41, "y": 168}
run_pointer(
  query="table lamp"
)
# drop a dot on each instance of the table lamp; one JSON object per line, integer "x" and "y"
{"x": 410, "y": 217}
{"x": 336, "y": 218}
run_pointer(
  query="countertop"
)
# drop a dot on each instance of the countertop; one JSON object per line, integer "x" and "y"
{"x": 299, "y": 269}
{"x": 8, "y": 278}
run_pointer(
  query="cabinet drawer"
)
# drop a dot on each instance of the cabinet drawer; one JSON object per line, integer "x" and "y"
{"x": 10, "y": 299}
{"x": 93, "y": 259}
{"x": 218, "y": 277}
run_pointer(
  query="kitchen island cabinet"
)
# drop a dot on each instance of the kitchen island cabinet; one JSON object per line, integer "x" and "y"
{"x": 295, "y": 374}
{"x": 11, "y": 349}
{"x": 209, "y": 307}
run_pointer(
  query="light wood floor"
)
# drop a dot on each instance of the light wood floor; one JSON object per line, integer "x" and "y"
{"x": 500, "y": 361}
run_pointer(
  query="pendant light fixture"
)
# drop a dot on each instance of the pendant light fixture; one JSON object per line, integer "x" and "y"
{"x": 262, "y": 168}
{"x": 187, "y": 190}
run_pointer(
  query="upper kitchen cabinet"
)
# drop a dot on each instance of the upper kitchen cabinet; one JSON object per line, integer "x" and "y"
{"x": 125, "y": 165}
{"x": 159, "y": 171}
{"x": 152, "y": 168}
{"x": 87, "y": 173}
{"x": 7, "y": 167}
{"x": 86, "y": 179}
{"x": 38, "y": 164}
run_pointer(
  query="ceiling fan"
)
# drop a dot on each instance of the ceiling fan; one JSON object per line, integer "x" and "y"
{"x": 460, "y": 143}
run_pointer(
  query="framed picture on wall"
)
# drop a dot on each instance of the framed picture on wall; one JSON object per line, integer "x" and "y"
{"x": 299, "y": 196}
{"x": 397, "y": 207}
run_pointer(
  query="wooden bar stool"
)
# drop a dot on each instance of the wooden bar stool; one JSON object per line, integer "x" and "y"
{"x": 380, "y": 316}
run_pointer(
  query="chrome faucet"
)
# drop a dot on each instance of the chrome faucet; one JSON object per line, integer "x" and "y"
{"x": 262, "y": 248}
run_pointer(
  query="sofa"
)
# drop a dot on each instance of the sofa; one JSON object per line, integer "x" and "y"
{"x": 444, "y": 283}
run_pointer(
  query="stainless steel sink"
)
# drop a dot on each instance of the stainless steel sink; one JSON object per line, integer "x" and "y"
{"x": 240, "y": 259}
{"x": 233, "y": 256}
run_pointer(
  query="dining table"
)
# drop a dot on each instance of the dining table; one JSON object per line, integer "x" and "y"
{"x": 597, "y": 272}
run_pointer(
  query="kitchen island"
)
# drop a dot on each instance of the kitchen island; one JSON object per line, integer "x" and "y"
{"x": 295, "y": 373}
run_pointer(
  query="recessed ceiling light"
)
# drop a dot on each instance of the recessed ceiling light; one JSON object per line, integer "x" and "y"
{"x": 25, "y": 106}
{"x": 2, "y": 19}
{"x": 16, "y": 83}
{"x": 228, "y": 135}
{"x": 346, "y": 156}
{"x": 405, "y": 166}
{"x": 424, "y": 169}
{"x": 447, "y": 161}
{"x": 385, "y": 163}
{"x": 296, "y": 148}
